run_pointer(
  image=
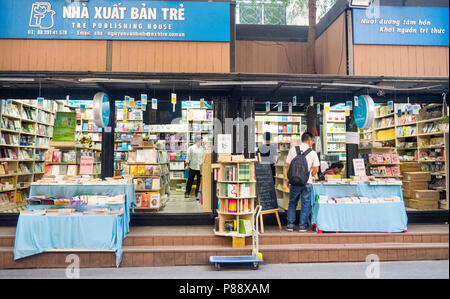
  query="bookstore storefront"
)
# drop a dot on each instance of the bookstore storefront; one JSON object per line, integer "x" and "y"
{"x": 50, "y": 130}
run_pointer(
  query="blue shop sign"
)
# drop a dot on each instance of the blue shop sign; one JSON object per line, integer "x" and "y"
{"x": 364, "y": 112}
{"x": 398, "y": 25}
{"x": 116, "y": 20}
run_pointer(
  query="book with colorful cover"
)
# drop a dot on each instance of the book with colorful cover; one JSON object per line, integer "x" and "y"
{"x": 141, "y": 170}
{"x": 148, "y": 183}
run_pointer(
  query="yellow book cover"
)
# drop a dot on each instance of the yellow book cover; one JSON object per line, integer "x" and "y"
{"x": 141, "y": 170}
{"x": 133, "y": 170}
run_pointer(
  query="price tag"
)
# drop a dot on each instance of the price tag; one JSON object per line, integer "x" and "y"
{"x": 280, "y": 106}
{"x": 311, "y": 101}
{"x": 349, "y": 105}
{"x": 174, "y": 100}
{"x": 154, "y": 104}
{"x": 267, "y": 106}
{"x": 326, "y": 107}
{"x": 318, "y": 109}
{"x": 202, "y": 103}
{"x": 144, "y": 99}
{"x": 356, "y": 101}
{"x": 290, "y": 108}
{"x": 294, "y": 100}
{"x": 391, "y": 106}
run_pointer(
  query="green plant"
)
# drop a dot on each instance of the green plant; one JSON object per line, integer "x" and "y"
{"x": 442, "y": 120}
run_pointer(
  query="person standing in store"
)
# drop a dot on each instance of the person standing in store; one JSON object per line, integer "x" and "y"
{"x": 194, "y": 161}
{"x": 268, "y": 153}
{"x": 295, "y": 192}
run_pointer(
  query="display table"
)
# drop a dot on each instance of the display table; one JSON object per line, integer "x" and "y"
{"x": 359, "y": 217}
{"x": 69, "y": 191}
{"x": 38, "y": 233}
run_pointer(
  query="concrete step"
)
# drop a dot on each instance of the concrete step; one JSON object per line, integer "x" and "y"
{"x": 272, "y": 239}
{"x": 148, "y": 256}
{"x": 285, "y": 238}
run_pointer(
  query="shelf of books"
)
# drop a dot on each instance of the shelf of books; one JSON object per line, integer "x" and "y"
{"x": 26, "y": 129}
{"x": 283, "y": 127}
{"x": 334, "y": 126}
{"x": 174, "y": 139}
{"x": 200, "y": 124}
{"x": 413, "y": 131}
{"x": 129, "y": 122}
{"x": 148, "y": 168}
{"x": 236, "y": 191}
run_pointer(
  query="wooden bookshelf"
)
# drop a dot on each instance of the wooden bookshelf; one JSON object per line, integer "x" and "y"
{"x": 149, "y": 197}
{"x": 27, "y": 125}
{"x": 236, "y": 191}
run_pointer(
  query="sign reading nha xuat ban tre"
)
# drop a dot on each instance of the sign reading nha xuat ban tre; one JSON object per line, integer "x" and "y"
{"x": 116, "y": 20}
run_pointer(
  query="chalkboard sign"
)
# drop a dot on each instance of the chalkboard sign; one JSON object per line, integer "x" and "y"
{"x": 266, "y": 186}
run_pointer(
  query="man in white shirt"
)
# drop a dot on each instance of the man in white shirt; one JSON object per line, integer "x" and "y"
{"x": 194, "y": 160}
{"x": 304, "y": 191}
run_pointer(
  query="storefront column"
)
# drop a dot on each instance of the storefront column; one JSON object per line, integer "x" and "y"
{"x": 351, "y": 149}
{"x": 108, "y": 143}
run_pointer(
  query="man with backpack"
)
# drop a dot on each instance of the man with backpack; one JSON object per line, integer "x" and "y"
{"x": 302, "y": 164}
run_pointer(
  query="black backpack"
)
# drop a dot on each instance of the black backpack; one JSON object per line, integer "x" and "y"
{"x": 298, "y": 173}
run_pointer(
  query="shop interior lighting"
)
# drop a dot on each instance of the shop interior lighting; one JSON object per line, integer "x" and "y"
{"x": 360, "y": 3}
{"x": 17, "y": 79}
{"x": 220, "y": 83}
{"x": 106, "y": 80}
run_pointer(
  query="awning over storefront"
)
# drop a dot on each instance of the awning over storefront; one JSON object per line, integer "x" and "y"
{"x": 263, "y": 87}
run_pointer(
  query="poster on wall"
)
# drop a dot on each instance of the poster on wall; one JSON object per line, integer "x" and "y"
{"x": 116, "y": 20}
{"x": 401, "y": 25}
{"x": 65, "y": 123}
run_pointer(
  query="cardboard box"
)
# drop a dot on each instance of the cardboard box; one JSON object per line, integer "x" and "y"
{"x": 416, "y": 176}
{"x": 427, "y": 195}
{"x": 238, "y": 242}
{"x": 410, "y": 167}
{"x": 423, "y": 205}
{"x": 415, "y": 185}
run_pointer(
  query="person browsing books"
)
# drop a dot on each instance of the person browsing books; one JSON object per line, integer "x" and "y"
{"x": 194, "y": 161}
{"x": 302, "y": 164}
{"x": 268, "y": 153}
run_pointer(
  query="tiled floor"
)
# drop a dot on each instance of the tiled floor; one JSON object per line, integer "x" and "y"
{"x": 178, "y": 204}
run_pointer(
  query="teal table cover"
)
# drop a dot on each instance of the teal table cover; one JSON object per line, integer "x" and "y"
{"x": 358, "y": 217}
{"x": 38, "y": 233}
{"x": 69, "y": 191}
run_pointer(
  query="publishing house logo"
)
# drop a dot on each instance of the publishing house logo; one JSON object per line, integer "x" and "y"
{"x": 42, "y": 15}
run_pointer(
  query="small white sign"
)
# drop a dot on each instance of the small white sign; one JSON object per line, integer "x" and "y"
{"x": 352, "y": 137}
{"x": 154, "y": 104}
{"x": 224, "y": 144}
{"x": 359, "y": 167}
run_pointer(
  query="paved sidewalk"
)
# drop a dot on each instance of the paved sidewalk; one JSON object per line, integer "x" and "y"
{"x": 387, "y": 270}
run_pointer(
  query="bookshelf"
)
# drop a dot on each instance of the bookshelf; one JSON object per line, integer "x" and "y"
{"x": 148, "y": 168}
{"x": 416, "y": 138}
{"x": 283, "y": 128}
{"x": 26, "y": 128}
{"x": 236, "y": 192}
{"x": 174, "y": 138}
{"x": 432, "y": 146}
{"x": 334, "y": 126}
{"x": 129, "y": 122}
{"x": 199, "y": 123}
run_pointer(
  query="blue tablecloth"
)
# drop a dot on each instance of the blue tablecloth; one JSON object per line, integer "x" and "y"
{"x": 373, "y": 217}
{"x": 37, "y": 233}
{"x": 69, "y": 191}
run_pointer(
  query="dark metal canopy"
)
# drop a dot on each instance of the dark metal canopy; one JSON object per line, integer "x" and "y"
{"x": 262, "y": 87}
